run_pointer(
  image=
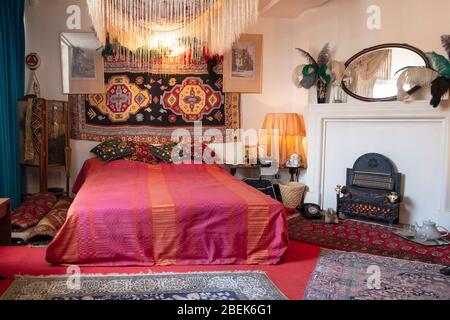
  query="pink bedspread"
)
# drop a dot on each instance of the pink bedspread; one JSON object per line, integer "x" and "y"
{"x": 133, "y": 214}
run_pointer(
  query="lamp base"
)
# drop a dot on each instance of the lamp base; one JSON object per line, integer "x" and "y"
{"x": 295, "y": 174}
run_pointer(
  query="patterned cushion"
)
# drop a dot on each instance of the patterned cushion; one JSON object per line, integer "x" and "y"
{"x": 48, "y": 227}
{"x": 209, "y": 155}
{"x": 112, "y": 150}
{"x": 164, "y": 152}
{"x": 32, "y": 211}
{"x": 206, "y": 154}
{"x": 141, "y": 153}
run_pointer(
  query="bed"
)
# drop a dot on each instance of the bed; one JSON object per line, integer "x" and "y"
{"x": 133, "y": 214}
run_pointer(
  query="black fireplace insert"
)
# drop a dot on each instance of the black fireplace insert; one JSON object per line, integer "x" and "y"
{"x": 372, "y": 190}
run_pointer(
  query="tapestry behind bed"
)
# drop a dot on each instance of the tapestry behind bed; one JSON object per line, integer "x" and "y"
{"x": 148, "y": 105}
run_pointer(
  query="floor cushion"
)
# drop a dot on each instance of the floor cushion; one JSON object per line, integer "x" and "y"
{"x": 32, "y": 211}
{"x": 49, "y": 226}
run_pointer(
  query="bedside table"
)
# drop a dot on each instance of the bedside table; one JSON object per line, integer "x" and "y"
{"x": 5, "y": 222}
{"x": 233, "y": 168}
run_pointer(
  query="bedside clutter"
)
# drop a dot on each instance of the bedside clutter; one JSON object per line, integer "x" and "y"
{"x": 5, "y": 222}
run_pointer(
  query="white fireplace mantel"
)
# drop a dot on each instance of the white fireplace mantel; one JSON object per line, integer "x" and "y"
{"x": 414, "y": 136}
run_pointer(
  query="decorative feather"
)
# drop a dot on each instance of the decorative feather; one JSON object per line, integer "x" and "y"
{"x": 439, "y": 63}
{"x": 309, "y": 81}
{"x": 297, "y": 76}
{"x": 325, "y": 74}
{"x": 337, "y": 69}
{"x": 324, "y": 55}
{"x": 446, "y": 43}
{"x": 307, "y": 56}
{"x": 317, "y": 70}
{"x": 439, "y": 87}
{"x": 414, "y": 78}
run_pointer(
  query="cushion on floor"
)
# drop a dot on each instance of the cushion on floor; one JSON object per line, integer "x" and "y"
{"x": 32, "y": 211}
{"x": 49, "y": 226}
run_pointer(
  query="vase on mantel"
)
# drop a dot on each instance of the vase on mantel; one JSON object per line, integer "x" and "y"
{"x": 322, "y": 92}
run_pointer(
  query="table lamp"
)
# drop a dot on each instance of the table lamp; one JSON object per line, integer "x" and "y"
{"x": 289, "y": 130}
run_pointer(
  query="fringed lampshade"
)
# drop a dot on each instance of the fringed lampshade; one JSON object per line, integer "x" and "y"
{"x": 289, "y": 129}
{"x": 145, "y": 28}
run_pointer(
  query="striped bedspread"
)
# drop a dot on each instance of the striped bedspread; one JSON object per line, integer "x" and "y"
{"x": 133, "y": 214}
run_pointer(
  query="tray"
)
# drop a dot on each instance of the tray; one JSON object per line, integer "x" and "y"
{"x": 436, "y": 243}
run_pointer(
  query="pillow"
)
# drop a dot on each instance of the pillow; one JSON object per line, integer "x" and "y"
{"x": 209, "y": 155}
{"x": 32, "y": 211}
{"x": 112, "y": 150}
{"x": 141, "y": 153}
{"x": 164, "y": 152}
{"x": 206, "y": 154}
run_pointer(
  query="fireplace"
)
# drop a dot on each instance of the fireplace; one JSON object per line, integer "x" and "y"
{"x": 372, "y": 190}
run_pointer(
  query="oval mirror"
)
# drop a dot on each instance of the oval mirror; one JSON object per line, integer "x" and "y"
{"x": 371, "y": 75}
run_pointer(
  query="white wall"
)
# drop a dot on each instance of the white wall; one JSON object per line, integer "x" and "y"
{"x": 343, "y": 23}
{"x": 278, "y": 90}
{"x": 44, "y": 22}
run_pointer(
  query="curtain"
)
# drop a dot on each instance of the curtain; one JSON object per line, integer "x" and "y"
{"x": 12, "y": 73}
{"x": 368, "y": 69}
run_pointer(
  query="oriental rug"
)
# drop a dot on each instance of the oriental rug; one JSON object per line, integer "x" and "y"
{"x": 360, "y": 236}
{"x": 358, "y": 276}
{"x": 147, "y": 105}
{"x": 166, "y": 286}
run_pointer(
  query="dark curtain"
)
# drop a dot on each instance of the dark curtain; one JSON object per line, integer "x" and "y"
{"x": 12, "y": 73}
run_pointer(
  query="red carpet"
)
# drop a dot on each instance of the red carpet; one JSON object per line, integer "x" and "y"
{"x": 356, "y": 236}
{"x": 291, "y": 277}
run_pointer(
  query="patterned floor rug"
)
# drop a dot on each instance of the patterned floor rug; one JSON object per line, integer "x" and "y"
{"x": 167, "y": 286}
{"x": 358, "y": 236}
{"x": 358, "y": 276}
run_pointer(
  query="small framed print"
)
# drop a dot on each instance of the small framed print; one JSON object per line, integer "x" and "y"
{"x": 82, "y": 64}
{"x": 243, "y": 65}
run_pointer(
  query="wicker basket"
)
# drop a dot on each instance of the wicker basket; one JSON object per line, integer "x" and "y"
{"x": 292, "y": 194}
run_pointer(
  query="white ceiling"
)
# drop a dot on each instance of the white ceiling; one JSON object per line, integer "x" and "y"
{"x": 287, "y": 8}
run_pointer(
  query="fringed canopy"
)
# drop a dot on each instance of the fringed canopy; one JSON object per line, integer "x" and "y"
{"x": 141, "y": 29}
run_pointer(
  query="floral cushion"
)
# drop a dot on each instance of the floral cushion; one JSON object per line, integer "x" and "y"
{"x": 32, "y": 211}
{"x": 112, "y": 150}
{"x": 49, "y": 226}
{"x": 164, "y": 152}
{"x": 141, "y": 153}
{"x": 209, "y": 155}
{"x": 206, "y": 154}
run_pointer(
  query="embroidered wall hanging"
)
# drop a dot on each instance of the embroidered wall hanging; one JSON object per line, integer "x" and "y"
{"x": 148, "y": 105}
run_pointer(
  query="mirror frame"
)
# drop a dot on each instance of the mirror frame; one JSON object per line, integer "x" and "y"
{"x": 378, "y": 47}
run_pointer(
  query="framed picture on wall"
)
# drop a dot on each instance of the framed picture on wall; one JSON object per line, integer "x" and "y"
{"x": 242, "y": 68}
{"x": 82, "y": 64}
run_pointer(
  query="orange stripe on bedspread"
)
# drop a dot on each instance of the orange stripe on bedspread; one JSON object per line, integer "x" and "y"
{"x": 164, "y": 217}
{"x": 211, "y": 221}
{"x": 258, "y": 216}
